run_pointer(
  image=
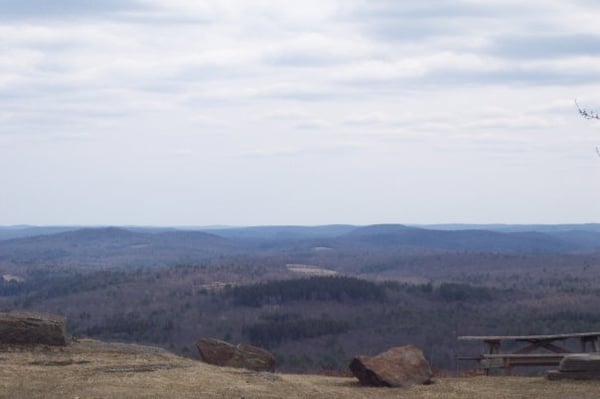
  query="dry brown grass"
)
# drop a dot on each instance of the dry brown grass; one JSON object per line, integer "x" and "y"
{"x": 91, "y": 369}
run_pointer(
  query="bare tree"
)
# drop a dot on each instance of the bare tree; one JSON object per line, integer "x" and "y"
{"x": 588, "y": 114}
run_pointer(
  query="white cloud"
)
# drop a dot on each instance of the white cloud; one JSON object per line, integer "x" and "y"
{"x": 271, "y": 93}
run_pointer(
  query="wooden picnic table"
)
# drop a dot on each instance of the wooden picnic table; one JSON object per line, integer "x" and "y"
{"x": 528, "y": 353}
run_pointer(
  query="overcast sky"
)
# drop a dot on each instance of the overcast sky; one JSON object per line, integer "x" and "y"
{"x": 251, "y": 112}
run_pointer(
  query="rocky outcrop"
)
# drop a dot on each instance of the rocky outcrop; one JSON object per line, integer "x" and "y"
{"x": 221, "y": 353}
{"x": 398, "y": 367}
{"x": 32, "y": 328}
{"x": 583, "y": 366}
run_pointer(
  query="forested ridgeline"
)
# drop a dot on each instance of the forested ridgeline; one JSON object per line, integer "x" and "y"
{"x": 336, "y": 288}
{"x": 99, "y": 248}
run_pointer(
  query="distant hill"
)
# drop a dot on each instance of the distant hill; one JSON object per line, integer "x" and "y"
{"x": 10, "y": 232}
{"x": 284, "y": 232}
{"x": 250, "y": 232}
{"x": 400, "y": 236}
{"x": 380, "y": 229}
{"x": 514, "y": 228}
{"x": 124, "y": 247}
{"x": 584, "y": 240}
{"x": 113, "y": 246}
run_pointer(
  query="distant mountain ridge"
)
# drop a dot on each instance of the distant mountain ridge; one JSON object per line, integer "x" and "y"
{"x": 514, "y": 228}
{"x": 298, "y": 231}
{"x": 379, "y": 229}
{"x": 118, "y": 246}
{"x": 284, "y": 232}
{"x": 460, "y": 240}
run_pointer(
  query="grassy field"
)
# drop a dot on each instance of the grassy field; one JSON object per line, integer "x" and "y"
{"x": 92, "y": 369}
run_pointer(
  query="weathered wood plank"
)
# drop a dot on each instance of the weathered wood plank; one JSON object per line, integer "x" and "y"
{"x": 526, "y": 355}
{"x": 528, "y": 337}
{"x": 541, "y": 359}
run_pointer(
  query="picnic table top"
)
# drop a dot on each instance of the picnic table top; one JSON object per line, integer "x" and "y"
{"x": 524, "y": 355}
{"x": 529, "y": 337}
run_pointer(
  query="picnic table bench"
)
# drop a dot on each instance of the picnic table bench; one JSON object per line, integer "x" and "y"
{"x": 527, "y": 354}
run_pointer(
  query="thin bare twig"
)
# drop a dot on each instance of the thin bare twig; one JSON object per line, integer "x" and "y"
{"x": 587, "y": 114}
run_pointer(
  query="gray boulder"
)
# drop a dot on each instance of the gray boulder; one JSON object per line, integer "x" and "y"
{"x": 581, "y": 362}
{"x": 581, "y": 366}
{"x": 398, "y": 367}
{"x": 221, "y": 353}
{"x": 32, "y": 328}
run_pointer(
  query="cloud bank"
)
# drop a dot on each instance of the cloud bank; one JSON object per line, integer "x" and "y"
{"x": 270, "y": 112}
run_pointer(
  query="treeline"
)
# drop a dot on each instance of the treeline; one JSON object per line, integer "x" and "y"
{"x": 452, "y": 292}
{"x": 80, "y": 282}
{"x": 45, "y": 285}
{"x": 275, "y": 330}
{"x": 330, "y": 288}
{"x": 447, "y": 292}
{"x": 13, "y": 288}
{"x": 131, "y": 326}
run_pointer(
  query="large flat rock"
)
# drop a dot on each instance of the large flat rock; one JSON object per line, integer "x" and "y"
{"x": 32, "y": 328}
{"x": 221, "y": 353}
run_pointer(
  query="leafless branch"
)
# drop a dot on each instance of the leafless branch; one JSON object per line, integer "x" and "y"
{"x": 587, "y": 114}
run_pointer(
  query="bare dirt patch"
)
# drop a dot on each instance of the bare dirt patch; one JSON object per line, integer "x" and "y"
{"x": 309, "y": 270}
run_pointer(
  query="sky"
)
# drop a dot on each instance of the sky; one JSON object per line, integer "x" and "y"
{"x": 258, "y": 112}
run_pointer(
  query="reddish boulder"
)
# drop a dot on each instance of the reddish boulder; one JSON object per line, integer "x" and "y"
{"x": 221, "y": 353}
{"x": 398, "y": 367}
{"x": 214, "y": 351}
{"x": 252, "y": 358}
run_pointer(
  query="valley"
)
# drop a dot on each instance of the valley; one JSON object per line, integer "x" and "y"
{"x": 314, "y": 296}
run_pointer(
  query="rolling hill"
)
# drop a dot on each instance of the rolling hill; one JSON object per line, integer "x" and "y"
{"x": 112, "y": 246}
{"x": 411, "y": 238}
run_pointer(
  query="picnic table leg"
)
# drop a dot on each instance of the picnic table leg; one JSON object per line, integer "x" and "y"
{"x": 493, "y": 348}
{"x": 507, "y": 367}
{"x": 593, "y": 343}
